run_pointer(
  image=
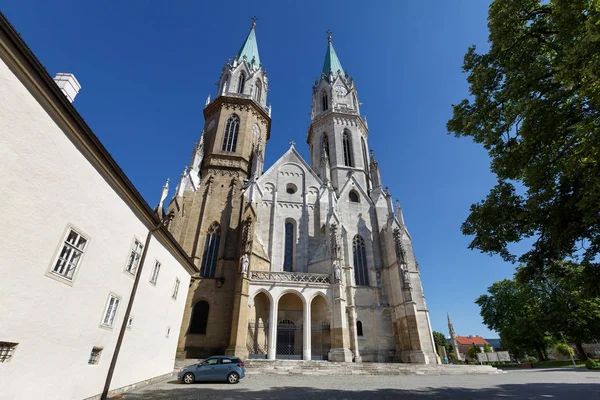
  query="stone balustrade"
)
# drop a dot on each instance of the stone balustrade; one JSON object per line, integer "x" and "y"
{"x": 300, "y": 277}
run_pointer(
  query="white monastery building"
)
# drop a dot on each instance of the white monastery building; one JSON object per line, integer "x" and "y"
{"x": 77, "y": 241}
{"x": 307, "y": 260}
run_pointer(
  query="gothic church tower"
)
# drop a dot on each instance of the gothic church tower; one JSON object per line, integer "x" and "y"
{"x": 208, "y": 210}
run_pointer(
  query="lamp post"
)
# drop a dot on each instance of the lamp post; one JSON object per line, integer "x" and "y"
{"x": 569, "y": 349}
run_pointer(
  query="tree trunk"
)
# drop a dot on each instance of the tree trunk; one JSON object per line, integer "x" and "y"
{"x": 540, "y": 353}
{"x": 582, "y": 355}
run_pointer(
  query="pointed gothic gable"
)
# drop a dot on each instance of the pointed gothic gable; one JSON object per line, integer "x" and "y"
{"x": 353, "y": 184}
{"x": 290, "y": 157}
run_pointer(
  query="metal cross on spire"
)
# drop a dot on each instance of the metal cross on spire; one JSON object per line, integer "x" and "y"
{"x": 328, "y": 35}
{"x": 254, "y": 19}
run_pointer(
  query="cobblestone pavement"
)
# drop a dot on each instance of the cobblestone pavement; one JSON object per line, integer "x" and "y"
{"x": 562, "y": 383}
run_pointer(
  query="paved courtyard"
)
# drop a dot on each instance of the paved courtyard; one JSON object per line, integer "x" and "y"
{"x": 565, "y": 383}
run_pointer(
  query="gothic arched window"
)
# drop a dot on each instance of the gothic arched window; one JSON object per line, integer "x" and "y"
{"x": 359, "y": 330}
{"x": 324, "y": 99}
{"x": 258, "y": 91}
{"x": 347, "y": 149}
{"x": 231, "y": 133}
{"x": 241, "y": 81}
{"x": 211, "y": 251}
{"x": 288, "y": 258}
{"x": 361, "y": 271}
{"x": 199, "y": 318}
{"x": 325, "y": 144}
{"x": 225, "y": 82}
{"x": 353, "y": 196}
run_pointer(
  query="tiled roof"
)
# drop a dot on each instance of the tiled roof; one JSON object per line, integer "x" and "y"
{"x": 471, "y": 339}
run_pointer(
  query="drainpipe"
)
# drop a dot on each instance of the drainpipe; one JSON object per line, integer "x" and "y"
{"x": 113, "y": 362}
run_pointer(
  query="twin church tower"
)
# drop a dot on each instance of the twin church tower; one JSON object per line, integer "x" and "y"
{"x": 301, "y": 261}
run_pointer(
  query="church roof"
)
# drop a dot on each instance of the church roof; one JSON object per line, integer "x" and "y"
{"x": 250, "y": 48}
{"x": 332, "y": 62}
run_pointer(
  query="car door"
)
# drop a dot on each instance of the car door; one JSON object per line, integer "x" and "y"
{"x": 223, "y": 369}
{"x": 206, "y": 370}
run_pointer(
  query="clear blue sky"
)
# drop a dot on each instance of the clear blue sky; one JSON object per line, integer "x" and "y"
{"x": 146, "y": 68}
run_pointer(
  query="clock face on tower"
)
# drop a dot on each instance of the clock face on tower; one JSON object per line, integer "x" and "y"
{"x": 340, "y": 91}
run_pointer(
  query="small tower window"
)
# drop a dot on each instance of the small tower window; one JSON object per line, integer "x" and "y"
{"x": 353, "y": 196}
{"x": 258, "y": 91}
{"x": 231, "y": 133}
{"x": 325, "y": 144}
{"x": 241, "y": 82}
{"x": 361, "y": 271}
{"x": 347, "y": 149}
{"x": 359, "y": 330}
{"x": 288, "y": 258}
{"x": 324, "y": 100}
{"x": 211, "y": 250}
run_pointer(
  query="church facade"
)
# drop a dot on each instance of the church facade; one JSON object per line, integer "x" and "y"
{"x": 306, "y": 260}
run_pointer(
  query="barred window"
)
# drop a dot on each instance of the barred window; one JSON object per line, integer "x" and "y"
{"x": 95, "y": 356}
{"x": 111, "y": 311}
{"x": 199, "y": 318}
{"x": 134, "y": 257}
{"x": 347, "y": 149}
{"x": 231, "y": 133}
{"x": 361, "y": 271}
{"x": 155, "y": 271}
{"x": 211, "y": 251}
{"x": 176, "y": 288}
{"x": 70, "y": 255}
{"x": 7, "y": 350}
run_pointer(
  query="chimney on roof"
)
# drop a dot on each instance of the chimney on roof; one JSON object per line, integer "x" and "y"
{"x": 68, "y": 84}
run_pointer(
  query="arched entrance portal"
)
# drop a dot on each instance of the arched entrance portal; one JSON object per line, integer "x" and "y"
{"x": 320, "y": 329}
{"x": 257, "y": 339}
{"x": 289, "y": 327}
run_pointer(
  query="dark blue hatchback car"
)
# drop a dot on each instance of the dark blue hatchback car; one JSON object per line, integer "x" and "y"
{"x": 216, "y": 368}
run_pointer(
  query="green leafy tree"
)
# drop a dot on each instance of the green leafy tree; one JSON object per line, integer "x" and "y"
{"x": 534, "y": 106}
{"x": 440, "y": 341}
{"x": 472, "y": 353}
{"x": 487, "y": 348}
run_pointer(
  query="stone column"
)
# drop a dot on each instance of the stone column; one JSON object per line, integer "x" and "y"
{"x": 306, "y": 338}
{"x": 272, "y": 343}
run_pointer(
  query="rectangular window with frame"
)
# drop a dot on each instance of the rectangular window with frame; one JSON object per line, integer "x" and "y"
{"x": 7, "y": 349}
{"x": 95, "y": 356}
{"x": 155, "y": 271}
{"x": 176, "y": 289}
{"x": 70, "y": 255}
{"x": 134, "y": 257}
{"x": 111, "y": 311}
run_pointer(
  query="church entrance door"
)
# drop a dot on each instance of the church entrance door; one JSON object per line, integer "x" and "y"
{"x": 286, "y": 340}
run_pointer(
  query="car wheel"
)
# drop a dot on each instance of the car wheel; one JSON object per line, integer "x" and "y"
{"x": 233, "y": 378}
{"x": 188, "y": 378}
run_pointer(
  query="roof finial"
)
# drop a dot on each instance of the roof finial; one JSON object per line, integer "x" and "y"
{"x": 254, "y": 19}
{"x": 328, "y": 35}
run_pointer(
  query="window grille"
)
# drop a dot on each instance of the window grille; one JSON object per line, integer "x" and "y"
{"x": 7, "y": 350}
{"x": 155, "y": 271}
{"x": 231, "y": 134}
{"x": 288, "y": 259}
{"x": 70, "y": 255}
{"x": 176, "y": 288}
{"x": 347, "y": 149}
{"x": 95, "y": 356}
{"x": 361, "y": 271}
{"x": 199, "y": 318}
{"x": 134, "y": 257}
{"x": 111, "y": 311}
{"x": 211, "y": 251}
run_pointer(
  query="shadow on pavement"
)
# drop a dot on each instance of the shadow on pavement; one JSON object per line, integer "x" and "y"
{"x": 238, "y": 392}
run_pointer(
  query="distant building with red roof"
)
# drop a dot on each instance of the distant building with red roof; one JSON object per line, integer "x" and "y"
{"x": 464, "y": 342}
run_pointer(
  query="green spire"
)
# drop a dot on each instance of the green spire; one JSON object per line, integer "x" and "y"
{"x": 332, "y": 62}
{"x": 250, "y": 48}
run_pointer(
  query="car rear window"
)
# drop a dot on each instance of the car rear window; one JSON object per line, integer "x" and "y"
{"x": 236, "y": 360}
{"x": 226, "y": 361}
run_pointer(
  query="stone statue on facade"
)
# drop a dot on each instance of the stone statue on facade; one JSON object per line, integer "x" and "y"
{"x": 337, "y": 271}
{"x": 245, "y": 261}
